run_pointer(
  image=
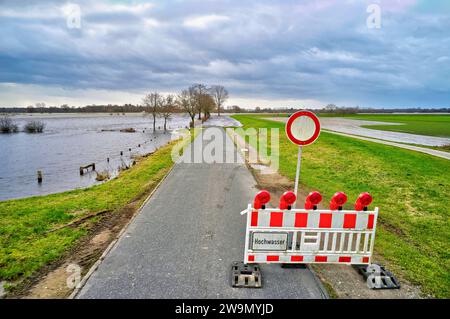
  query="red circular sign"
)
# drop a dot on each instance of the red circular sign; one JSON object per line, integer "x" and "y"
{"x": 303, "y": 128}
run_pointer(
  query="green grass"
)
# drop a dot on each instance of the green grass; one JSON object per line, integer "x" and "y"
{"x": 410, "y": 188}
{"x": 25, "y": 243}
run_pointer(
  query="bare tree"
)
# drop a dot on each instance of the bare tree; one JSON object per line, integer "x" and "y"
{"x": 168, "y": 106}
{"x": 201, "y": 90}
{"x": 330, "y": 108}
{"x": 220, "y": 95}
{"x": 208, "y": 105}
{"x": 34, "y": 127}
{"x": 7, "y": 125}
{"x": 152, "y": 103}
{"x": 187, "y": 102}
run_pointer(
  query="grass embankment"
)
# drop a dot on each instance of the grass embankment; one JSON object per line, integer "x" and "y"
{"x": 410, "y": 188}
{"x": 29, "y": 228}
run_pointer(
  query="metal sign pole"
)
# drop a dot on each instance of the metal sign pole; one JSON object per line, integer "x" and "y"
{"x": 297, "y": 174}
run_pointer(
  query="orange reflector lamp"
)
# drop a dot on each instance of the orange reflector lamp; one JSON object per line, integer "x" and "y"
{"x": 287, "y": 199}
{"x": 338, "y": 200}
{"x": 261, "y": 199}
{"x": 364, "y": 200}
{"x": 312, "y": 200}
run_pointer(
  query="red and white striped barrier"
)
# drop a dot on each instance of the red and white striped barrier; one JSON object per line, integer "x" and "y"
{"x": 285, "y": 235}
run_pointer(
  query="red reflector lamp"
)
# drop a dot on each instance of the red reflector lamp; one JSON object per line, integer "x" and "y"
{"x": 364, "y": 200}
{"x": 261, "y": 199}
{"x": 338, "y": 200}
{"x": 312, "y": 200}
{"x": 287, "y": 199}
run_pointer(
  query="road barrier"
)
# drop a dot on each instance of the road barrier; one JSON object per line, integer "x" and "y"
{"x": 311, "y": 235}
{"x": 289, "y": 235}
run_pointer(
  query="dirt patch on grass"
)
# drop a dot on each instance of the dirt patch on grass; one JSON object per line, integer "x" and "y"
{"x": 51, "y": 286}
{"x": 54, "y": 284}
{"x": 272, "y": 182}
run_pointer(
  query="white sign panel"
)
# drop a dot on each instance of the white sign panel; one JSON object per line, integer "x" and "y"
{"x": 269, "y": 241}
{"x": 303, "y": 128}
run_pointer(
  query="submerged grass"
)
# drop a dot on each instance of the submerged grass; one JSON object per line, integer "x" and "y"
{"x": 422, "y": 124}
{"x": 410, "y": 188}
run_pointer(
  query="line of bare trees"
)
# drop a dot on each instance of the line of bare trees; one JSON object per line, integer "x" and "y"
{"x": 196, "y": 100}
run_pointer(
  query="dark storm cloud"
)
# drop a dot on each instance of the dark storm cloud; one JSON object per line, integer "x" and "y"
{"x": 319, "y": 50}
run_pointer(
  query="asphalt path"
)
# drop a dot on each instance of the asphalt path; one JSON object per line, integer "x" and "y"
{"x": 184, "y": 240}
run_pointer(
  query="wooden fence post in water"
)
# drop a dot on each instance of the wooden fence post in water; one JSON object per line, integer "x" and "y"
{"x": 82, "y": 168}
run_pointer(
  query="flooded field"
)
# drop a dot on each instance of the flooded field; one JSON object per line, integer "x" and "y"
{"x": 70, "y": 141}
{"x": 357, "y": 127}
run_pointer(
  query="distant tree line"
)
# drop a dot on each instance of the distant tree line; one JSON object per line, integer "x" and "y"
{"x": 208, "y": 99}
{"x": 42, "y": 108}
{"x": 333, "y": 109}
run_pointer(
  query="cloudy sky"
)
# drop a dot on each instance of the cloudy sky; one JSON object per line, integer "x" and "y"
{"x": 267, "y": 53}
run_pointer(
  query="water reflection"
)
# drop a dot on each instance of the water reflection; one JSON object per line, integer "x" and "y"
{"x": 71, "y": 141}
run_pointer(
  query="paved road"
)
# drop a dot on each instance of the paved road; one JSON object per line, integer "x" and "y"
{"x": 222, "y": 121}
{"x": 351, "y": 128}
{"x": 183, "y": 242}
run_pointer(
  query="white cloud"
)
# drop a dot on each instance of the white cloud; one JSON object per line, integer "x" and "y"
{"x": 331, "y": 55}
{"x": 205, "y": 21}
{"x": 226, "y": 68}
{"x": 295, "y": 103}
{"x": 149, "y": 22}
{"x": 442, "y": 59}
{"x": 350, "y": 72}
{"x": 109, "y": 7}
{"x": 26, "y": 94}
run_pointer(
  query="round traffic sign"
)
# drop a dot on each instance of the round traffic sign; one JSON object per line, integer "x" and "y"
{"x": 303, "y": 128}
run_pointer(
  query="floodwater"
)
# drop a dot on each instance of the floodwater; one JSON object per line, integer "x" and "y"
{"x": 71, "y": 141}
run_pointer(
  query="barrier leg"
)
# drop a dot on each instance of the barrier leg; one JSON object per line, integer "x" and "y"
{"x": 377, "y": 277}
{"x": 245, "y": 275}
